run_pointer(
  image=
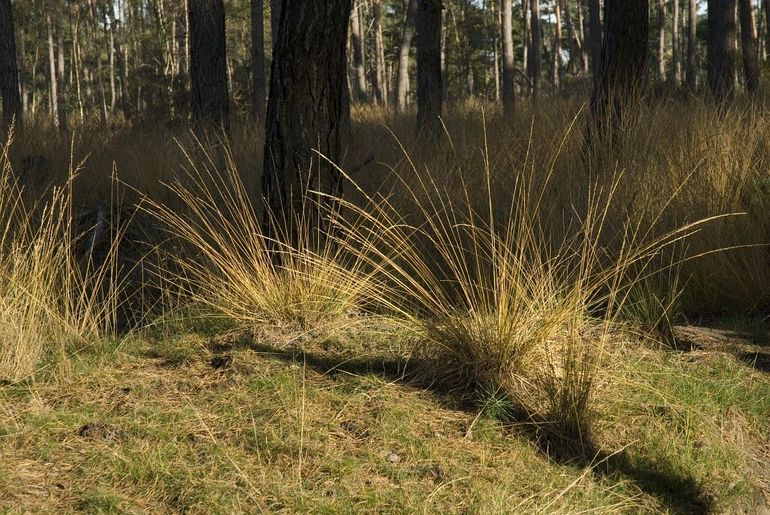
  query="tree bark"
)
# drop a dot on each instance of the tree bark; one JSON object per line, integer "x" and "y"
{"x": 676, "y": 76}
{"x": 749, "y": 45}
{"x": 661, "y": 41}
{"x": 208, "y": 64}
{"x": 258, "y": 58}
{"x": 623, "y": 59}
{"x": 402, "y": 87}
{"x": 535, "y": 53}
{"x": 359, "y": 51}
{"x": 509, "y": 94}
{"x": 556, "y": 49}
{"x": 721, "y": 48}
{"x": 429, "y": 83}
{"x": 379, "y": 73}
{"x": 9, "y": 70}
{"x": 692, "y": 45}
{"x": 595, "y": 33}
{"x": 766, "y": 8}
{"x": 307, "y": 112}
{"x": 53, "y": 99}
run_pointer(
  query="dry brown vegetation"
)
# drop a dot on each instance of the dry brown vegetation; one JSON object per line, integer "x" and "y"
{"x": 513, "y": 275}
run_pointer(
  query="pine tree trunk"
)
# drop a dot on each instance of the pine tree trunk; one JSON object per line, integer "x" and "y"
{"x": 766, "y": 8}
{"x": 676, "y": 46}
{"x": 307, "y": 112}
{"x": 509, "y": 94}
{"x": 527, "y": 44}
{"x": 53, "y": 99}
{"x": 749, "y": 45}
{"x": 623, "y": 58}
{"x": 661, "y": 41}
{"x": 9, "y": 71}
{"x": 429, "y": 83}
{"x": 258, "y": 58}
{"x": 556, "y": 49}
{"x": 99, "y": 65}
{"x": 692, "y": 42}
{"x": 208, "y": 66}
{"x": 721, "y": 48}
{"x": 359, "y": 51}
{"x": 381, "y": 86}
{"x": 402, "y": 87}
{"x": 583, "y": 30}
{"x": 535, "y": 53}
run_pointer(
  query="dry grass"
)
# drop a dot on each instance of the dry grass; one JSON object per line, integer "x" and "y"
{"x": 54, "y": 295}
{"x": 225, "y": 263}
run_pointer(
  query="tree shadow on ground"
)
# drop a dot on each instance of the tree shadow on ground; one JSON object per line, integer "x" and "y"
{"x": 680, "y": 494}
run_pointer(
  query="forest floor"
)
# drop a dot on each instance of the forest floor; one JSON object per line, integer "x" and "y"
{"x": 219, "y": 421}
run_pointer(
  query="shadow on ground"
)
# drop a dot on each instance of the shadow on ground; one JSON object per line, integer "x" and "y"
{"x": 680, "y": 494}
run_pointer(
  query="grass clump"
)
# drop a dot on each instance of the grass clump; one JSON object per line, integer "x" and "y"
{"x": 506, "y": 296}
{"x": 54, "y": 295}
{"x": 226, "y": 263}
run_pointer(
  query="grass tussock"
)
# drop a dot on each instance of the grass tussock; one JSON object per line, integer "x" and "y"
{"x": 54, "y": 296}
{"x": 507, "y": 297}
{"x": 225, "y": 262}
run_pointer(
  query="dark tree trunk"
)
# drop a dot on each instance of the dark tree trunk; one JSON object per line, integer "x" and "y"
{"x": 595, "y": 35}
{"x": 749, "y": 45}
{"x": 721, "y": 48}
{"x": 692, "y": 42}
{"x": 208, "y": 64}
{"x": 307, "y": 112}
{"x": 509, "y": 95}
{"x": 429, "y": 84}
{"x": 9, "y": 70}
{"x": 258, "y": 58}
{"x": 623, "y": 59}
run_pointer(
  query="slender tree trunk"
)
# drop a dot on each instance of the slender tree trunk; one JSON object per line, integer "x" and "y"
{"x": 381, "y": 86}
{"x": 583, "y": 30}
{"x": 258, "y": 58}
{"x": 99, "y": 65}
{"x": 509, "y": 94}
{"x": 208, "y": 67}
{"x": 676, "y": 47}
{"x": 574, "y": 42}
{"x": 766, "y": 8}
{"x": 52, "y": 83}
{"x": 556, "y": 51}
{"x": 113, "y": 89}
{"x": 359, "y": 51}
{"x": 535, "y": 54}
{"x": 429, "y": 83}
{"x": 9, "y": 71}
{"x": 749, "y": 45}
{"x": 661, "y": 41}
{"x": 692, "y": 45}
{"x": 624, "y": 56}
{"x": 721, "y": 48}
{"x": 402, "y": 87}
{"x": 527, "y": 50}
{"x": 595, "y": 33}
{"x": 307, "y": 112}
